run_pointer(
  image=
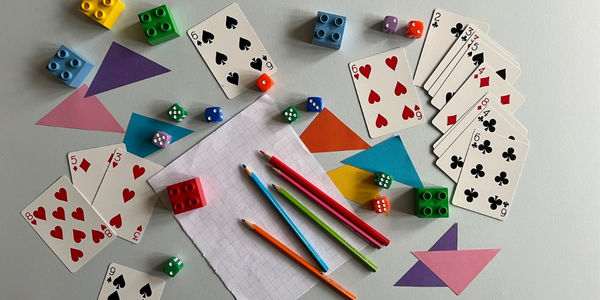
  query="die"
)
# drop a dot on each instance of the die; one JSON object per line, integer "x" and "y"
{"x": 105, "y": 12}
{"x": 329, "y": 30}
{"x": 159, "y": 25}
{"x": 383, "y": 180}
{"x": 173, "y": 266}
{"x": 186, "y": 195}
{"x": 161, "y": 139}
{"x": 291, "y": 114}
{"x": 213, "y": 114}
{"x": 431, "y": 202}
{"x": 70, "y": 67}
{"x": 390, "y": 24}
{"x": 314, "y": 104}
{"x": 177, "y": 113}
{"x": 264, "y": 82}
{"x": 414, "y": 30}
{"x": 381, "y": 205}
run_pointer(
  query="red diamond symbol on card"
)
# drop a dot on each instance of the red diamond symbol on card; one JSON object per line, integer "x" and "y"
{"x": 505, "y": 99}
{"x": 476, "y": 76}
{"x": 451, "y": 120}
{"x": 85, "y": 165}
{"x": 484, "y": 82}
{"x": 479, "y": 107}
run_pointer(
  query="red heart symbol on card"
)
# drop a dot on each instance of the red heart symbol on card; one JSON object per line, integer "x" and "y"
{"x": 365, "y": 70}
{"x": 78, "y": 236}
{"x": 103, "y": 227}
{"x": 391, "y": 62}
{"x": 34, "y": 222}
{"x": 77, "y": 214}
{"x": 374, "y": 97}
{"x": 381, "y": 121}
{"x": 356, "y": 76}
{"x": 116, "y": 221}
{"x": 97, "y": 236}
{"x": 76, "y": 254}
{"x": 400, "y": 89}
{"x": 57, "y": 233}
{"x": 128, "y": 195}
{"x": 61, "y": 195}
{"x": 407, "y": 113}
{"x": 417, "y": 108}
{"x": 59, "y": 213}
{"x": 138, "y": 171}
{"x": 139, "y": 228}
{"x": 40, "y": 213}
{"x": 115, "y": 164}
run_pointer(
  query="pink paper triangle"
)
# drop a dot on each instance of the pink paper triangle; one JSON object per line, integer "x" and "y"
{"x": 457, "y": 268}
{"x": 81, "y": 113}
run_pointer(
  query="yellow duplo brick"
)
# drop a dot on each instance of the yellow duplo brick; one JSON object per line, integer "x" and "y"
{"x": 105, "y": 12}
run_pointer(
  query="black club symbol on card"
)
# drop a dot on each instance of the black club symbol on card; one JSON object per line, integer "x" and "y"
{"x": 456, "y": 162}
{"x": 434, "y": 24}
{"x": 494, "y": 202}
{"x": 457, "y": 29}
{"x": 485, "y": 147}
{"x": 464, "y": 38}
{"x": 501, "y": 179}
{"x": 478, "y": 171}
{"x": 490, "y": 125}
{"x": 509, "y": 154}
{"x": 471, "y": 194}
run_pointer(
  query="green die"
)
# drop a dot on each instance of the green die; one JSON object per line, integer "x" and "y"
{"x": 384, "y": 180}
{"x": 173, "y": 266}
{"x": 159, "y": 25}
{"x": 291, "y": 114}
{"x": 177, "y": 113}
{"x": 431, "y": 202}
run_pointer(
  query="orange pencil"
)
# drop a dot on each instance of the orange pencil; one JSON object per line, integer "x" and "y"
{"x": 326, "y": 279}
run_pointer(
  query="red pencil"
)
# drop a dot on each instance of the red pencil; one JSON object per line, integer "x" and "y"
{"x": 327, "y": 199}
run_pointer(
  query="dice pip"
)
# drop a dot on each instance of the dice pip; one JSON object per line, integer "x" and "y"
{"x": 381, "y": 205}
{"x": 161, "y": 139}
{"x": 414, "y": 30}
{"x": 390, "y": 24}
{"x": 314, "y": 104}
{"x": 213, "y": 114}
{"x": 291, "y": 114}
{"x": 383, "y": 180}
{"x": 177, "y": 113}
{"x": 173, "y": 266}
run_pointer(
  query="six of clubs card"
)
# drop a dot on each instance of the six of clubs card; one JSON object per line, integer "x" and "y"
{"x": 122, "y": 283}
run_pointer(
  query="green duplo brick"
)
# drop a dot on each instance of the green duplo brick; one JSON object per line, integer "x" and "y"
{"x": 159, "y": 25}
{"x": 431, "y": 202}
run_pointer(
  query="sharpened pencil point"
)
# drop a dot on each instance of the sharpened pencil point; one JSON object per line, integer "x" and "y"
{"x": 276, "y": 187}
{"x": 261, "y": 151}
{"x": 244, "y": 166}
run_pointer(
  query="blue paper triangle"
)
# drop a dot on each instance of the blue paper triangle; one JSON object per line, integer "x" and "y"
{"x": 389, "y": 157}
{"x": 140, "y": 130}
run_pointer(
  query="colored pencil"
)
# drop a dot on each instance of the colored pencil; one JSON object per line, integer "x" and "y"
{"x": 326, "y": 198}
{"x": 369, "y": 264}
{"x": 343, "y": 219}
{"x": 326, "y": 279}
{"x": 287, "y": 219}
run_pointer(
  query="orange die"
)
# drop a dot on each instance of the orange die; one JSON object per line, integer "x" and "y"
{"x": 414, "y": 30}
{"x": 264, "y": 82}
{"x": 381, "y": 205}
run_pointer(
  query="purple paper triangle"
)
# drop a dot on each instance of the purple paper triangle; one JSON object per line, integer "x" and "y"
{"x": 120, "y": 67}
{"x": 420, "y": 274}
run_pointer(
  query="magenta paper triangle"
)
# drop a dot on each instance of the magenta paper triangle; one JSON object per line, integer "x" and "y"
{"x": 457, "y": 268}
{"x": 81, "y": 113}
{"x": 122, "y": 66}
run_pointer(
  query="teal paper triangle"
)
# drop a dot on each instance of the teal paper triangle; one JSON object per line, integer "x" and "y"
{"x": 140, "y": 130}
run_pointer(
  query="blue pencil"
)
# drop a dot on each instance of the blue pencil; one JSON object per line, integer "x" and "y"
{"x": 287, "y": 219}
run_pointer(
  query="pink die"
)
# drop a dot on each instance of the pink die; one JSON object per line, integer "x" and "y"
{"x": 390, "y": 24}
{"x": 161, "y": 139}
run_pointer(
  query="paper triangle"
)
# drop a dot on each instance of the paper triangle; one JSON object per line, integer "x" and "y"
{"x": 419, "y": 274}
{"x": 355, "y": 184}
{"x": 81, "y": 113}
{"x": 327, "y": 133}
{"x": 457, "y": 268}
{"x": 389, "y": 157}
{"x": 140, "y": 130}
{"x": 122, "y": 66}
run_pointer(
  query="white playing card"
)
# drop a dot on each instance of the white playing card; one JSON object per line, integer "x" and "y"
{"x": 88, "y": 168}
{"x": 123, "y": 283}
{"x": 68, "y": 224}
{"x": 490, "y": 174}
{"x": 124, "y": 198}
{"x": 386, "y": 92}
{"x": 231, "y": 49}
{"x": 445, "y": 27}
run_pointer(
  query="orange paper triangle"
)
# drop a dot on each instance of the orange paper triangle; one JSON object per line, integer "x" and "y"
{"x": 327, "y": 133}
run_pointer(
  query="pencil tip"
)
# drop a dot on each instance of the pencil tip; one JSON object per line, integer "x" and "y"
{"x": 244, "y": 166}
{"x": 244, "y": 220}
{"x": 261, "y": 151}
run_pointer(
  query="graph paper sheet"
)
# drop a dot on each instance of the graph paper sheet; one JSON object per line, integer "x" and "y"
{"x": 249, "y": 266}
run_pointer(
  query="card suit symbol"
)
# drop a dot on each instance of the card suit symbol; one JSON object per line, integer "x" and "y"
{"x": 400, "y": 89}
{"x": 505, "y": 99}
{"x": 502, "y": 74}
{"x": 230, "y": 22}
{"x": 139, "y": 228}
{"x": 489, "y": 125}
{"x": 97, "y": 236}
{"x": 478, "y": 171}
{"x": 75, "y": 168}
{"x": 78, "y": 214}
{"x": 233, "y": 78}
{"x": 109, "y": 279}
{"x": 57, "y": 233}
{"x": 115, "y": 164}
{"x": 381, "y": 121}
{"x": 365, "y": 70}
{"x": 456, "y": 162}
{"x": 59, "y": 213}
{"x": 61, "y": 195}
{"x": 76, "y": 254}
{"x": 114, "y": 296}
{"x": 451, "y": 120}
{"x": 407, "y": 113}
{"x": 198, "y": 43}
{"x": 509, "y": 154}
{"x": 78, "y": 236}
{"x": 478, "y": 59}
{"x": 207, "y": 37}
{"x": 457, "y": 30}
{"x": 449, "y": 96}
{"x": 103, "y": 227}
{"x": 116, "y": 221}
{"x": 244, "y": 44}
{"x": 494, "y": 202}
{"x": 483, "y": 82}
{"x": 138, "y": 171}
{"x": 434, "y": 24}
{"x": 264, "y": 57}
{"x": 470, "y": 54}
{"x": 485, "y": 147}
{"x": 146, "y": 291}
{"x": 417, "y": 108}
{"x": 356, "y": 76}
{"x": 40, "y": 213}
{"x": 119, "y": 282}
{"x": 220, "y": 58}
{"x": 392, "y": 62}
{"x": 464, "y": 39}
{"x": 85, "y": 165}
{"x": 374, "y": 97}
{"x": 476, "y": 76}
{"x": 34, "y": 222}
{"x": 256, "y": 64}
{"x": 501, "y": 179}
{"x": 471, "y": 194}
{"x": 128, "y": 195}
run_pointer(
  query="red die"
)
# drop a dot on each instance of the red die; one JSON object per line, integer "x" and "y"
{"x": 414, "y": 30}
{"x": 381, "y": 205}
{"x": 264, "y": 82}
{"x": 186, "y": 195}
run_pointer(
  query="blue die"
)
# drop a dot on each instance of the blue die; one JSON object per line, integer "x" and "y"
{"x": 69, "y": 66}
{"x": 329, "y": 30}
{"x": 213, "y": 114}
{"x": 314, "y": 104}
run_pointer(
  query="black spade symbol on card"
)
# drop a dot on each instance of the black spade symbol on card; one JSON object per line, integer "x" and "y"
{"x": 207, "y": 37}
{"x": 502, "y": 74}
{"x": 256, "y": 64}
{"x": 146, "y": 290}
{"x": 119, "y": 282}
{"x": 264, "y": 58}
{"x": 449, "y": 96}
{"x": 233, "y": 78}
{"x": 244, "y": 44}
{"x": 230, "y": 22}
{"x": 114, "y": 296}
{"x": 220, "y": 58}
{"x": 478, "y": 59}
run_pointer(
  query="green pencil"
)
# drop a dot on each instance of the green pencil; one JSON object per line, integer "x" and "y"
{"x": 370, "y": 265}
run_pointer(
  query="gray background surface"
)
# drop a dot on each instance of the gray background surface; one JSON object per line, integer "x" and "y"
{"x": 549, "y": 244}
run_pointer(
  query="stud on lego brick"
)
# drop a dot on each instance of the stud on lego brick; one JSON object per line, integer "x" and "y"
{"x": 431, "y": 202}
{"x": 329, "y": 30}
{"x": 314, "y": 104}
{"x": 390, "y": 24}
{"x": 381, "y": 205}
{"x": 161, "y": 139}
{"x": 159, "y": 25}
{"x": 213, "y": 114}
{"x": 414, "y": 30}
{"x": 177, "y": 113}
{"x": 186, "y": 195}
{"x": 105, "y": 12}
{"x": 383, "y": 180}
{"x": 264, "y": 82}
{"x": 70, "y": 67}
{"x": 173, "y": 266}
{"x": 291, "y": 114}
